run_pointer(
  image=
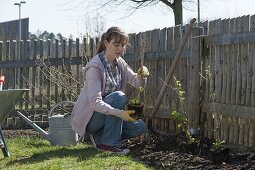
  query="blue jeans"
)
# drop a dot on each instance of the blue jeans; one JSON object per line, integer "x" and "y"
{"x": 111, "y": 130}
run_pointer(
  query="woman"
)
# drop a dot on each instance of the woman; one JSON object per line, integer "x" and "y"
{"x": 100, "y": 108}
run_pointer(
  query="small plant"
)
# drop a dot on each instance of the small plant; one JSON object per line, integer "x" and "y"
{"x": 134, "y": 102}
{"x": 217, "y": 144}
{"x": 181, "y": 116}
{"x": 182, "y": 123}
{"x": 137, "y": 104}
{"x": 181, "y": 119}
{"x": 218, "y": 153}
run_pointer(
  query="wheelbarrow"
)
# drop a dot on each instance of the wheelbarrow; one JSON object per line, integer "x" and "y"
{"x": 8, "y": 99}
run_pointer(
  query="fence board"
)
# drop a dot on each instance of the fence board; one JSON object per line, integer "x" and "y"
{"x": 243, "y": 58}
{"x": 170, "y": 39}
{"x": 253, "y": 76}
{"x": 234, "y": 52}
{"x": 245, "y": 25}
{"x": 212, "y": 73}
{"x": 228, "y": 73}
{"x": 236, "y": 130}
{"x": 25, "y": 76}
{"x": 238, "y": 71}
{"x": 246, "y": 132}
{"x": 40, "y": 76}
{"x": 241, "y": 131}
{"x": 238, "y": 25}
{"x": 251, "y": 132}
{"x": 48, "y": 75}
{"x": 212, "y": 27}
{"x": 194, "y": 88}
{"x": 225, "y": 78}
{"x": 163, "y": 40}
{"x": 210, "y": 125}
{"x": 249, "y": 75}
{"x": 218, "y": 73}
{"x": 131, "y": 47}
{"x": 231, "y": 129}
{"x": 252, "y": 66}
{"x": 252, "y": 23}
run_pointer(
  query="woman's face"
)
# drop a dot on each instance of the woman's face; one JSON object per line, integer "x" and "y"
{"x": 114, "y": 49}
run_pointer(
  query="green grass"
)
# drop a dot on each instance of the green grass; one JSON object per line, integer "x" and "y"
{"x": 37, "y": 153}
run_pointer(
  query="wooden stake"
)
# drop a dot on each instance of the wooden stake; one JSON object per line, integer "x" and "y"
{"x": 172, "y": 68}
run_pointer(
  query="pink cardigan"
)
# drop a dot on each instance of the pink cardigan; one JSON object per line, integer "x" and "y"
{"x": 90, "y": 99}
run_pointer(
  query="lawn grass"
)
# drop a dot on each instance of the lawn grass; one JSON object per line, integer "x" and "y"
{"x": 38, "y": 153}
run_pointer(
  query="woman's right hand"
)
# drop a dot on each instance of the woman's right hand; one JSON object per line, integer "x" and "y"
{"x": 127, "y": 117}
{"x": 143, "y": 72}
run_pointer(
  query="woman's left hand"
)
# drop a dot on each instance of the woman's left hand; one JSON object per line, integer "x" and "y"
{"x": 127, "y": 117}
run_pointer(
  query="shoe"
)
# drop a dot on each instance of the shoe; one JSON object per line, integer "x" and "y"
{"x": 1, "y": 143}
{"x": 93, "y": 141}
{"x": 114, "y": 149}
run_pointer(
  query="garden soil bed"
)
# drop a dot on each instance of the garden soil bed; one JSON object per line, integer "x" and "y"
{"x": 163, "y": 152}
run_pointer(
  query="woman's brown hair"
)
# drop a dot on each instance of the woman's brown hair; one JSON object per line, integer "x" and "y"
{"x": 112, "y": 33}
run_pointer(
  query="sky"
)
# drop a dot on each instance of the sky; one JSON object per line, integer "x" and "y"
{"x": 78, "y": 17}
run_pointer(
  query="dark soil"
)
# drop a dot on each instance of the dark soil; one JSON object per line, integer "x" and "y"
{"x": 164, "y": 151}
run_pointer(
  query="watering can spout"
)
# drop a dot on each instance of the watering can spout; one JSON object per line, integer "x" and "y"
{"x": 35, "y": 126}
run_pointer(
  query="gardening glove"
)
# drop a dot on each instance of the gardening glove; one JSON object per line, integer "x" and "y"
{"x": 143, "y": 72}
{"x": 127, "y": 117}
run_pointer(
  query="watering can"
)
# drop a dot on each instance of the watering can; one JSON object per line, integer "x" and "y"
{"x": 60, "y": 132}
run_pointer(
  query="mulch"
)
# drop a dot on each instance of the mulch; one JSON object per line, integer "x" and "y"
{"x": 164, "y": 152}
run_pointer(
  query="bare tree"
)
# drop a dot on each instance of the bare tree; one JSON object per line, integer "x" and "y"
{"x": 175, "y": 5}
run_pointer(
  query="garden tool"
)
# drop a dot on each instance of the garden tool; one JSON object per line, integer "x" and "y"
{"x": 170, "y": 74}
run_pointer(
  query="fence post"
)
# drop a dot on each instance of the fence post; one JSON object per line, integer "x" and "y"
{"x": 194, "y": 94}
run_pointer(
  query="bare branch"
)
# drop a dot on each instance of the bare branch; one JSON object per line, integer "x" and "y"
{"x": 168, "y": 3}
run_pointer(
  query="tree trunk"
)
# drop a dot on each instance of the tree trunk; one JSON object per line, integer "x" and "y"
{"x": 177, "y": 9}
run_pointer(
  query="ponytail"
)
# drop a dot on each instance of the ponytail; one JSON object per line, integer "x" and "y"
{"x": 101, "y": 46}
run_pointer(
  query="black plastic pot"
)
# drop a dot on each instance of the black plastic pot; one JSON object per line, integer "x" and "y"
{"x": 138, "y": 111}
{"x": 220, "y": 155}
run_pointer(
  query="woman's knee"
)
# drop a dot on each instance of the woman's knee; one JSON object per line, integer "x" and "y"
{"x": 116, "y": 99}
{"x": 119, "y": 94}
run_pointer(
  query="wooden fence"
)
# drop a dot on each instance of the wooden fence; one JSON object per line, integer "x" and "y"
{"x": 229, "y": 87}
{"x": 216, "y": 71}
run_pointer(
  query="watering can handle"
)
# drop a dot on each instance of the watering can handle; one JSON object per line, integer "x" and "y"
{"x": 59, "y": 104}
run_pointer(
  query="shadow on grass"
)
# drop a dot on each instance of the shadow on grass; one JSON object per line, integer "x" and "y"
{"x": 81, "y": 154}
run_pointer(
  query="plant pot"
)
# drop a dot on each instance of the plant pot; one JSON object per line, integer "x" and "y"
{"x": 188, "y": 148}
{"x": 220, "y": 155}
{"x": 138, "y": 111}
